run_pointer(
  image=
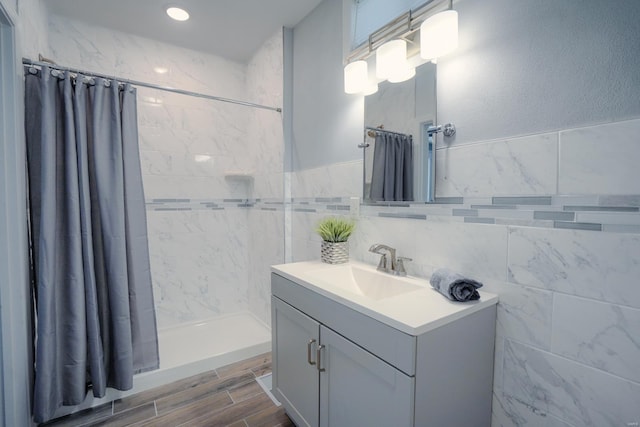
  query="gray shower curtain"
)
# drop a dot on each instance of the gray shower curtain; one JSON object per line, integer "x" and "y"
{"x": 392, "y": 174}
{"x": 95, "y": 319}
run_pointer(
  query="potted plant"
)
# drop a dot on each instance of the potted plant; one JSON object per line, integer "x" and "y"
{"x": 335, "y": 232}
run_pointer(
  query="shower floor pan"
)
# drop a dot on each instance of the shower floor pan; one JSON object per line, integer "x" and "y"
{"x": 192, "y": 348}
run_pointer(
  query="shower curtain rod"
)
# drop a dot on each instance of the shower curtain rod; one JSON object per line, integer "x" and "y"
{"x": 30, "y": 63}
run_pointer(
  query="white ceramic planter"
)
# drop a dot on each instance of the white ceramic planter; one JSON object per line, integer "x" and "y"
{"x": 334, "y": 253}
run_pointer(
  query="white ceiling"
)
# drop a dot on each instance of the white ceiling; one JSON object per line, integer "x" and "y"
{"x": 233, "y": 29}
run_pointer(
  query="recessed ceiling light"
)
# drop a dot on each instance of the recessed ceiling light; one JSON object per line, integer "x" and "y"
{"x": 161, "y": 70}
{"x": 177, "y": 13}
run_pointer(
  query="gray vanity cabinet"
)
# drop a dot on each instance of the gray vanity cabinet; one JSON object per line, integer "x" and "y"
{"x": 325, "y": 380}
{"x": 358, "y": 389}
{"x": 296, "y": 383}
{"x": 334, "y": 366}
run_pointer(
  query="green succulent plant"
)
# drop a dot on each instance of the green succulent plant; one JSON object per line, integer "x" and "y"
{"x": 335, "y": 229}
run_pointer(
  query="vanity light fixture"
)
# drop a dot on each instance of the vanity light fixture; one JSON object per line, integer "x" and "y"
{"x": 438, "y": 25}
{"x": 439, "y": 35}
{"x": 391, "y": 62}
{"x": 405, "y": 74}
{"x": 177, "y": 13}
{"x": 370, "y": 89}
{"x": 356, "y": 76}
{"x": 357, "y": 80}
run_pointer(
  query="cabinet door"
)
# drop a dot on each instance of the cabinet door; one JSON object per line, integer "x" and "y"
{"x": 295, "y": 339}
{"x": 358, "y": 389}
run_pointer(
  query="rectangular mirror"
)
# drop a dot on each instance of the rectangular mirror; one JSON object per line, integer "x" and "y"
{"x": 407, "y": 108}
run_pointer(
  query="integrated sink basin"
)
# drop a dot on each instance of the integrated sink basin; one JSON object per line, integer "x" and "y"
{"x": 363, "y": 281}
{"x": 406, "y": 303}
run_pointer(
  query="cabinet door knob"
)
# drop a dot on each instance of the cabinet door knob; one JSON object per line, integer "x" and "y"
{"x": 318, "y": 357}
{"x": 309, "y": 344}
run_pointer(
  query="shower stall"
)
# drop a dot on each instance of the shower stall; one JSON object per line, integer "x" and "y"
{"x": 212, "y": 173}
{"x": 214, "y": 229}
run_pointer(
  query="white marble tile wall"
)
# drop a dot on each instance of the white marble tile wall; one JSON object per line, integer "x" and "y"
{"x": 575, "y": 393}
{"x": 264, "y": 127}
{"x": 266, "y": 230}
{"x": 568, "y": 328}
{"x": 305, "y": 242}
{"x": 198, "y": 263}
{"x": 32, "y": 28}
{"x": 591, "y": 160}
{"x": 518, "y": 166}
{"x": 597, "y": 334}
{"x": 77, "y": 44}
{"x": 509, "y": 412}
{"x": 600, "y": 266}
{"x": 204, "y": 262}
{"x": 265, "y": 133}
{"x": 336, "y": 180}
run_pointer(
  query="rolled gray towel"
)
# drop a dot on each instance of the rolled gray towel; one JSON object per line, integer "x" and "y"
{"x": 455, "y": 286}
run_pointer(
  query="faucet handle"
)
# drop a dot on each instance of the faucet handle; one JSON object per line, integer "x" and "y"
{"x": 400, "y": 271}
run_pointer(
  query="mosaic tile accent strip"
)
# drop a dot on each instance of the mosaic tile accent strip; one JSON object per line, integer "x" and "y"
{"x": 527, "y": 200}
{"x": 213, "y": 204}
{"x": 559, "y": 216}
{"x": 577, "y": 225}
{"x": 619, "y": 214}
{"x": 402, "y": 215}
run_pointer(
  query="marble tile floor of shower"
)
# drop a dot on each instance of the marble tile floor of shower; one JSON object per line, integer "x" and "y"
{"x": 227, "y": 396}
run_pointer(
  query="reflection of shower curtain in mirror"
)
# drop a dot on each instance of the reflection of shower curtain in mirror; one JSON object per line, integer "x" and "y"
{"x": 392, "y": 174}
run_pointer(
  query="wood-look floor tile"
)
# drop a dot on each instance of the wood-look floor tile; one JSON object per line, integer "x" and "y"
{"x": 165, "y": 390}
{"x": 127, "y": 418}
{"x": 270, "y": 417}
{"x": 254, "y": 363}
{"x": 245, "y": 391}
{"x": 207, "y": 406}
{"x": 82, "y": 417}
{"x": 228, "y": 396}
{"x": 233, "y": 413}
{"x": 262, "y": 369}
{"x": 184, "y": 397}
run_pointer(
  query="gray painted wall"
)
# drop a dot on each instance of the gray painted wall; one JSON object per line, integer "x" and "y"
{"x": 533, "y": 66}
{"x": 327, "y": 123}
{"x": 521, "y": 68}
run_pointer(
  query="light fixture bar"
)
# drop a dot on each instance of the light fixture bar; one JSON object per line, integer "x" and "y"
{"x": 403, "y": 27}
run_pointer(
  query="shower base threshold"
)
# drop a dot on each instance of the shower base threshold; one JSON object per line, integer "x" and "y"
{"x": 191, "y": 349}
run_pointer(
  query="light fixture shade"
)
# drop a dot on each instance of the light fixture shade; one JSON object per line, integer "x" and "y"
{"x": 391, "y": 59}
{"x": 439, "y": 34}
{"x": 177, "y": 13}
{"x": 356, "y": 77}
{"x": 403, "y": 75}
{"x": 370, "y": 89}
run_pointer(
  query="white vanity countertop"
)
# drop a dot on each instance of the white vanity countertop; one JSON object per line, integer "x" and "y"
{"x": 414, "y": 312}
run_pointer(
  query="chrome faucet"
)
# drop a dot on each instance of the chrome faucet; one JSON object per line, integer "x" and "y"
{"x": 394, "y": 265}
